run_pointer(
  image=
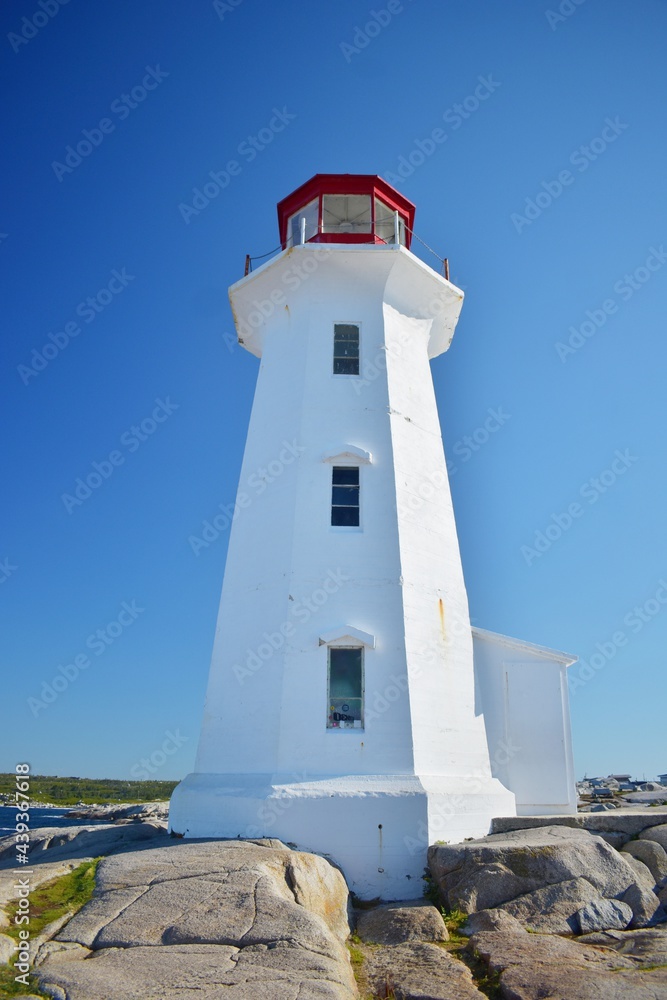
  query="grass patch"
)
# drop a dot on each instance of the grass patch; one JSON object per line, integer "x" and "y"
{"x": 48, "y": 902}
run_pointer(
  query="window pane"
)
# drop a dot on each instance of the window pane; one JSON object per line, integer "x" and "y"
{"x": 310, "y": 213}
{"x": 345, "y": 516}
{"x": 346, "y": 213}
{"x": 346, "y": 366}
{"x": 345, "y": 475}
{"x": 345, "y": 708}
{"x": 346, "y": 349}
{"x": 384, "y": 223}
{"x": 345, "y": 496}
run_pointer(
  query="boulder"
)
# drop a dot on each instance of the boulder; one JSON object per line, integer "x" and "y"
{"x": 535, "y": 966}
{"x": 605, "y": 914}
{"x": 190, "y": 917}
{"x": 494, "y": 870}
{"x": 643, "y": 876}
{"x": 651, "y": 853}
{"x": 658, "y": 834}
{"x": 554, "y": 908}
{"x": 418, "y": 971}
{"x": 492, "y": 920}
{"x": 646, "y": 907}
{"x": 397, "y": 923}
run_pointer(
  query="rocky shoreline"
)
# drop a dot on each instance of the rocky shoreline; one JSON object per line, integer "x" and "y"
{"x": 557, "y": 909}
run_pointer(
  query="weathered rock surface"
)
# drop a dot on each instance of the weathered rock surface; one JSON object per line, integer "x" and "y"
{"x": 419, "y": 972}
{"x": 537, "y": 966}
{"x": 123, "y": 811}
{"x": 658, "y": 834}
{"x": 628, "y": 822}
{"x": 651, "y": 853}
{"x": 553, "y": 909}
{"x": 49, "y": 844}
{"x": 646, "y": 907}
{"x": 397, "y": 923}
{"x": 492, "y": 920}
{"x": 190, "y": 917}
{"x": 603, "y": 914}
{"x": 643, "y": 875}
{"x": 494, "y": 870}
{"x": 218, "y": 972}
{"x": 645, "y": 947}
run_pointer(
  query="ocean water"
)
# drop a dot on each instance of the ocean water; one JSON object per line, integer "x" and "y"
{"x": 38, "y": 817}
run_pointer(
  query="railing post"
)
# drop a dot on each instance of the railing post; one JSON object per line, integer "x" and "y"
{"x": 303, "y": 229}
{"x": 446, "y": 262}
{"x": 397, "y": 228}
{"x": 247, "y": 266}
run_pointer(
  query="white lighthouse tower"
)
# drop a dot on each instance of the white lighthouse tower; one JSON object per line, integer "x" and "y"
{"x": 342, "y": 712}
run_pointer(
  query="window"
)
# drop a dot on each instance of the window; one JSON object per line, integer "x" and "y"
{"x": 384, "y": 223}
{"x": 346, "y": 349}
{"x": 310, "y": 213}
{"x": 345, "y": 689}
{"x": 345, "y": 495}
{"x": 346, "y": 213}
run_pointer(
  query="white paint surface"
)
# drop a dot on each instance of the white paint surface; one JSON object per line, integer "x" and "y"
{"x": 522, "y": 689}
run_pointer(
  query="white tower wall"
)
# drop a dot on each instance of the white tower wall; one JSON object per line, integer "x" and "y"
{"x": 267, "y": 765}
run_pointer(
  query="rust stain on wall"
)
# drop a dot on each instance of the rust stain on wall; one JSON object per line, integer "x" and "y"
{"x": 441, "y": 611}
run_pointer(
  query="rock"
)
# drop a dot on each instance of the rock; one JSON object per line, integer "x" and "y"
{"x": 553, "y": 909}
{"x": 190, "y": 917}
{"x": 486, "y": 873}
{"x": 397, "y": 923}
{"x": 200, "y": 972}
{"x": 602, "y": 915}
{"x": 419, "y": 971}
{"x": 651, "y": 853}
{"x": 60, "y": 951}
{"x": 646, "y": 907}
{"x": 658, "y": 834}
{"x": 61, "y": 843}
{"x": 492, "y": 920}
{"x": 6, "y": 948}
{"x": 643, "y": 876}
{"x": 628, "y": 822}
{"x": 646, "y": 947}
{"x": 122, "y": 810}
{"x": 536, "y": 966}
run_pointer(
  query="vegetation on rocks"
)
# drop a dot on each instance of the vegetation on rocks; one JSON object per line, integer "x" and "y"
{"x": 48, "y": 903}
{"x": 70, "y": 791}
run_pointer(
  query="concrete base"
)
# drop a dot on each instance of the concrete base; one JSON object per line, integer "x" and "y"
{"x": 377, "y": 828}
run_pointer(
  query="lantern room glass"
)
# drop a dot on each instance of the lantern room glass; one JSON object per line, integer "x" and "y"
{"x": 310, "y": 213}
{"x": 346, "y": 213}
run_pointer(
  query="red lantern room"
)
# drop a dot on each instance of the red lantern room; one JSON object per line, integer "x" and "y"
{"x": 345, "y": 208}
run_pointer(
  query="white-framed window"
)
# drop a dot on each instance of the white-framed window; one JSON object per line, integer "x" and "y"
{"x": 345, "y": 499}
{"x": 345, "y": 687}
{"x": 346, "y": 349}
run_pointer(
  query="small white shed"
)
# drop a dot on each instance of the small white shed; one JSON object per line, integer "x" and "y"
{"x": 521, "y": 690}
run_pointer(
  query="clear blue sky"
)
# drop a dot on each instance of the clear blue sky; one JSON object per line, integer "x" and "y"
{"x": 210, "y": 78}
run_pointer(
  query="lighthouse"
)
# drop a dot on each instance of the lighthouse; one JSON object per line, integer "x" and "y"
{"x": 344, "y": 710}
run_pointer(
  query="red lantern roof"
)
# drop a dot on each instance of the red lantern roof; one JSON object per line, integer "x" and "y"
{"x": 345, "y": 208}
